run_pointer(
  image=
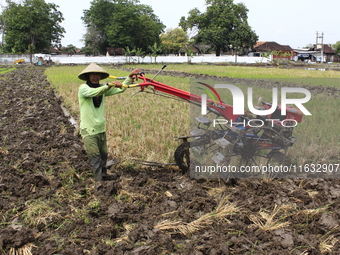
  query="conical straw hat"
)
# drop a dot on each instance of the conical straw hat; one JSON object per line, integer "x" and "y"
{"x": 93, "y": 68}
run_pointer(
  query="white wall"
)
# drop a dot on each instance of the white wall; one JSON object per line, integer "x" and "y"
{"x": 167, "y": 59}
{"x": 9, "y": 58}
{"x": 79, "y": 59}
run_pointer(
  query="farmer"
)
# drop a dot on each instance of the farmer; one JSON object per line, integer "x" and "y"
{"x": 91, "y": 96}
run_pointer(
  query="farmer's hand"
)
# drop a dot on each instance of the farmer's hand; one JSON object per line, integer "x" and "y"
{"x": 134, "y": 73}
{"x": 116, "y": 84}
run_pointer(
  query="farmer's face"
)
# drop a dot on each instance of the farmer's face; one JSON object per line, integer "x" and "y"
{"x": 94, "y": 78}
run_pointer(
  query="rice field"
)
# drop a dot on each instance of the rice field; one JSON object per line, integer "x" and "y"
{"x": 139, "y": 127}
{"x": 144, "y": 126}
{"x": 306, "y": 76}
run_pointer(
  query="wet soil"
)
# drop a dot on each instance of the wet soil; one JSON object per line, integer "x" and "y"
{"x": 49, "y": 203}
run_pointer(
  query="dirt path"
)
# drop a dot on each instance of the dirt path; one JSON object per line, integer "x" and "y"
{"x": 50, "y": 205}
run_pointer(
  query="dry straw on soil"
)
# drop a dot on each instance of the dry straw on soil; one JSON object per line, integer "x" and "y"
{"x": 187, "y": 229}
{"x": 25, "y": 250}
{"x": 266, "y": 221}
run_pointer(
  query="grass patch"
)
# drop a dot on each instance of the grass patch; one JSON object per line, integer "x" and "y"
{"x": 6, "y": 70}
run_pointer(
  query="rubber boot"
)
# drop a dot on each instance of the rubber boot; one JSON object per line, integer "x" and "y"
{"x": 96, "y": 163}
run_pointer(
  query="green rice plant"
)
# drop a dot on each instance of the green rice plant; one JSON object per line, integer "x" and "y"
{"x": 95, "y": 205}
{"x": 6, "y": 70}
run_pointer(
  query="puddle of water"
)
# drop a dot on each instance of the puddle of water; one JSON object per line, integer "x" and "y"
{"x": 315, "y": 69}
{"x": 70, "y": 118}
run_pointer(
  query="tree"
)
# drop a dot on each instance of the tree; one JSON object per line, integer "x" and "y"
{"x": 336, "y": 47}
{"x": 33, "y": 24}
{"x": 123, "y": 23}
{"x": 154, "y": 50}
{"x": 95, "y": 41}
{"x": 96, "y": 20}
{"x": 86, "y": 51}
{"x": 128, "y": 54}
{"x": 189, "y": 53}
{"x": 2, "y": 28}
{"x": 70, "y": 49}
{"x": 224, "y": 25}
{"x": 173, "y": 40}
{"x": 139, "y": 53}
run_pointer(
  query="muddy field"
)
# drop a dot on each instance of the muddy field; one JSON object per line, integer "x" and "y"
{"x": 49, "y": 203}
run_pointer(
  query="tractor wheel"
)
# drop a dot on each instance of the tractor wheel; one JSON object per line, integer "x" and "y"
{"x": 182, "y": 156}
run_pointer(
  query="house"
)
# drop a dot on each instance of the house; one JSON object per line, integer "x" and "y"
{"x": 184, "y": 50}
{"x": 54, "y": 51}
{"x": 280, "y": 51}
{"x": 304, "y": 55}
{"x": 317, "y": 53}
{"x": 115, "y": 51}
{"x": 324, "y": 53}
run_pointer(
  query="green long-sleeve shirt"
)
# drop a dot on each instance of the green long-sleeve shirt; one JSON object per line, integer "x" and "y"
{"x": 92, "y": 120}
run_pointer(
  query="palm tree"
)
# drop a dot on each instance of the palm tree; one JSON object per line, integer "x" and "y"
{"x": 154, "y": 50}
{"x": 128, "y": 53}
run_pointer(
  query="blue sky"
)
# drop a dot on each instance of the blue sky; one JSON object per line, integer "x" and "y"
{"x": 289, "y": 22}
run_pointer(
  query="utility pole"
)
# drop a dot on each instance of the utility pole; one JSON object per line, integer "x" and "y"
{"x": 317, "y": 43}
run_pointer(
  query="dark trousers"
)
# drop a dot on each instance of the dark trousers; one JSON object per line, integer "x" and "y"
{"x": 96, "y": 149}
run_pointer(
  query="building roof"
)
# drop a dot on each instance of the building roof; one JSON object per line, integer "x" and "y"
{"x": 258, "y": 44}
{"x": 271, "y": 46}
{"x": 54, "y": 50}
{"x": 192, "y": 48}
{"x": 328, "y": 49}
